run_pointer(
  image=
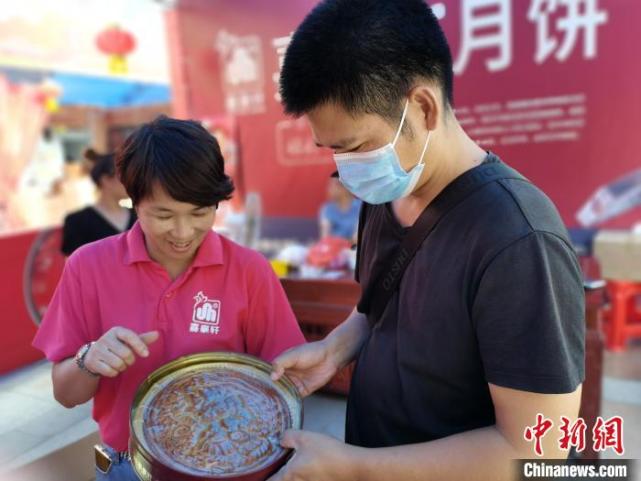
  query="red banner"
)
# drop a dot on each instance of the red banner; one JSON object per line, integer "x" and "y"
{"x": 551, "y": 86}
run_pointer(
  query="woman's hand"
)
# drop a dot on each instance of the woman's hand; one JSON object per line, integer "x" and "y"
{"x": 117, "y": 349}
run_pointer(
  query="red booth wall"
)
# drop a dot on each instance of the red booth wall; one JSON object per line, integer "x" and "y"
{"x": 554, "y": 92}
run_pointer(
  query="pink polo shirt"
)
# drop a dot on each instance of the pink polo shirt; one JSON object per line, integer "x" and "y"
{"x": 229, "y": 299}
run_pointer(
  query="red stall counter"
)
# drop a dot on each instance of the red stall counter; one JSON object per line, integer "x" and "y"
{"x": 31, "y": 264}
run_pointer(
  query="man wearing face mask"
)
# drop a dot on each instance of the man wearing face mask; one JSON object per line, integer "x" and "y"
{"x": 471, "y": 321}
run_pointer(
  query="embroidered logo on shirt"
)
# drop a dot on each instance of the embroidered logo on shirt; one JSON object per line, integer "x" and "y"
{"x": 206, "y": 316}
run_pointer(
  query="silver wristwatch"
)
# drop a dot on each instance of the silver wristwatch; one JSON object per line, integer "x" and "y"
{"x": 80, "y": 358}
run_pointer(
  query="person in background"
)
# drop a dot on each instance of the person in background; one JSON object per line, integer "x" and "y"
{"x": 338, "y": 217}
{"x": 32, "y": 203}
{"x": 129, "y": 304}
{"x": 45, "y": 169}
{"x": 106, "y": 217}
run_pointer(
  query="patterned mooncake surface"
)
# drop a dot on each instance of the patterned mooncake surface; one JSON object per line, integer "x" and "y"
{"x": 216, "y": 422}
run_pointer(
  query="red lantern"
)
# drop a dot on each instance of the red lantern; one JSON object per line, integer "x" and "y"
{"x": 117, "y": 44}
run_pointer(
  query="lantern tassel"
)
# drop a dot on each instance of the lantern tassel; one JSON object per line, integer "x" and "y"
{"x": 117, "y": 64}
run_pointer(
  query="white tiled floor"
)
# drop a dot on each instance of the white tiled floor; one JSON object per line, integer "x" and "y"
{"x": 32, "y": 423}
{"x": 325, "y": 414}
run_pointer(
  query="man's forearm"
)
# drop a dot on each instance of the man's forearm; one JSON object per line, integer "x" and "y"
{"x": 347, "y": 339}
{"x": 473, "y": 455}
{"x": 71, "y": 385}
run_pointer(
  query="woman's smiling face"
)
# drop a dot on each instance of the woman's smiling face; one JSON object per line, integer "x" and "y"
{"x": 173, "y": 230}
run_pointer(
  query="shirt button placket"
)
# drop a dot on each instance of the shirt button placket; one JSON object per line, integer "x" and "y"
{"x": 163, "y": 314}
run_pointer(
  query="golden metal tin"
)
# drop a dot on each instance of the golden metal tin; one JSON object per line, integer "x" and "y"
{"x": 160, "y": 451}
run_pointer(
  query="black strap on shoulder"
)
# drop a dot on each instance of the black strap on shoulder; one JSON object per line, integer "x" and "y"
{"x": 378, "y": 292}
{"x": 362, "y": 215}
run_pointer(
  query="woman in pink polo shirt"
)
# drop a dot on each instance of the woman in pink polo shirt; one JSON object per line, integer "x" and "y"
{"x": 169, "y": 287}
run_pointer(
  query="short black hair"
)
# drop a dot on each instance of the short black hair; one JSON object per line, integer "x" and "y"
{"x": 100, "y": 165}
{"x": 364, "y": 55}
{"x": 181, "y": 156}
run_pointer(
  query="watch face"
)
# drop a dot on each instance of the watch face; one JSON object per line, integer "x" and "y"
{"x": 79, "y": 355}
{"x": 83, "y": 352}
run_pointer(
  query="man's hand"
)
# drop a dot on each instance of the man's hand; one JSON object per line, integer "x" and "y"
{"x": 117, "y": 349}
{"x": 317, "y": 458}
{"x": 309, "y": 366}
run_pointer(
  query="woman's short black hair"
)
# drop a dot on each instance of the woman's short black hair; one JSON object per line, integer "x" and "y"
{"x": 365, "y": 56}
{"x": 181, "y": 156}
{"x": 100, "y": 165}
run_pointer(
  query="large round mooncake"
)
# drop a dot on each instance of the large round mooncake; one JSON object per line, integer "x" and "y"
{"x": 220, "y": 418}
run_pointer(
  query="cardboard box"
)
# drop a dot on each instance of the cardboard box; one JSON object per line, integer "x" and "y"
{"x": 619, "y": 253}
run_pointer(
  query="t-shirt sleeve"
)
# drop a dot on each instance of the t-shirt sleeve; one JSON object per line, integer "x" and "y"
{"x": 529, "y": 314}
{"x": 271, "y": 326}
{"x": 64, "y": 329}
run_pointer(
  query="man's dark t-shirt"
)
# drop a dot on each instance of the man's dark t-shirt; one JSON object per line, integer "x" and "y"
{"x": 88, "y": 225}
{"x": 493, "y": 295}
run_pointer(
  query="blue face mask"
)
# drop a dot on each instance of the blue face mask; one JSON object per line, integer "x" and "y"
{"x": 377, "y": 177}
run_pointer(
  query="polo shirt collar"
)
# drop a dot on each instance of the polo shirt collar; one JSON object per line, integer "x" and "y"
{"x": 209, "y": 253}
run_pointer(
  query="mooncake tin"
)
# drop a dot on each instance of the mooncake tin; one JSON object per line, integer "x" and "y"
{"x": 209, "y": 416}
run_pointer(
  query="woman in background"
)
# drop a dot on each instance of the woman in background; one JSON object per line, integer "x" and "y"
{"x": 106, "y": 217}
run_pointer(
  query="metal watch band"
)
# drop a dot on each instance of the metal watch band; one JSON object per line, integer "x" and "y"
{"x": 80, "y": 358}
